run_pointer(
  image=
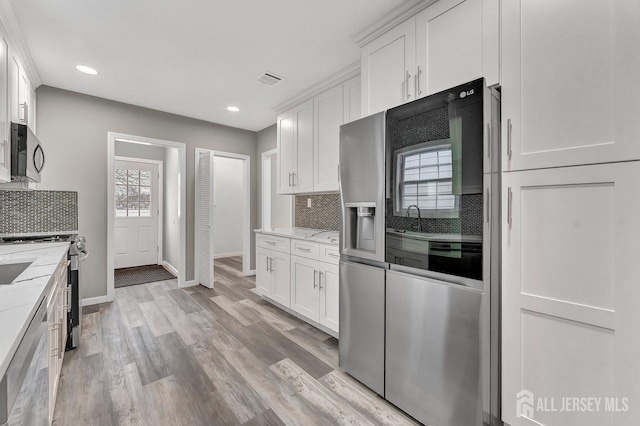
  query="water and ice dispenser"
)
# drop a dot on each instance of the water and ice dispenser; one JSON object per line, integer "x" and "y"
{"x": 360, "y": 226}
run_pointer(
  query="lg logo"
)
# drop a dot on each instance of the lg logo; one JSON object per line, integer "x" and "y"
{"x": 466, "y": 93}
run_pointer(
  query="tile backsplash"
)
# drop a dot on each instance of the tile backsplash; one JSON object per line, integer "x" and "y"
{"x": 324, "y": 212}
{"x": 26, "y": 212}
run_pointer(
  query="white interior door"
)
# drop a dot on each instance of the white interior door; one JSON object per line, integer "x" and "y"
{"x": 136, "y": 219}
{"x": 205, "y": 223}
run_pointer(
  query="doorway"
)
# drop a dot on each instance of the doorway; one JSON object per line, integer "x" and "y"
{"x": 146, "y": 224}
{"x": 223, "y": 209}
{"x": 276, "y": 210}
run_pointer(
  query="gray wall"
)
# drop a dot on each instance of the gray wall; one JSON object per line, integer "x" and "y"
{"x": 73, "y": 129}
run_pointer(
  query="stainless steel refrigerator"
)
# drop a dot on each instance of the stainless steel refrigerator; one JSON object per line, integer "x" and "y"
{"x": 419, "y": 269}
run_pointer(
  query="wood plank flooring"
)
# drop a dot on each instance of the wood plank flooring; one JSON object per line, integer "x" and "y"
{"x": 159, "y": 355}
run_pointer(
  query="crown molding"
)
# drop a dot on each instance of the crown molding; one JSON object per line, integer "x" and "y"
{"x": 333, "y": 80}
{"x": 17, "y": 42}
{"x": 395, "y": 16}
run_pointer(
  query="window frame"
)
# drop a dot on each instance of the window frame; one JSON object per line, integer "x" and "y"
{"x": 139, "y": 185}
{"x": 399, "y": 159}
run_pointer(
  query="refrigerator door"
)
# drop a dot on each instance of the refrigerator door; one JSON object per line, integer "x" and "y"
{"x": 433, "y": 350}
{"x": 362, "y": 323}
{"x": 362, "y": 186}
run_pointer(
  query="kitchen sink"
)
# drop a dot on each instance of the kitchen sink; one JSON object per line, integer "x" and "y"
{"x": 10, "y": 271}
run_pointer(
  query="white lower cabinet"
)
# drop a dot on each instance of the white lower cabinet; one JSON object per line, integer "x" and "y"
{"x": 272, "y": 275}
{"x": 305, "y": 281}
{"x": 305, "y": 297}
{"x": 57, "y": 306}
{"x": 570, "y": 293}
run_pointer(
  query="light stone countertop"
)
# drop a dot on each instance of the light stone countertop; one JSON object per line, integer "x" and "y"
{"x": 318, "y": 235}
{"x": 20, "y": 300}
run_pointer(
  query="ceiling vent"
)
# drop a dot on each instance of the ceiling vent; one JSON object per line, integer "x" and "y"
{"x": 270, "y": 79}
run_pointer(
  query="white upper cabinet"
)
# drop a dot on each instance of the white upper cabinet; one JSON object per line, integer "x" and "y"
{"x": 449, "y": 43}
{"x": 453, "y": 46}
{"x": 286, "y": 152}
{"x": 387, "y": 66}
{"x": 571, "y": 93}
{"x": 5, "y": 136}
{"x": 352, "y": 100}
{"x": 309, "y": 137}
{"x": 303, "y": 129}
{"x": 570, "y": 289}
{"x": 328, "y": 110}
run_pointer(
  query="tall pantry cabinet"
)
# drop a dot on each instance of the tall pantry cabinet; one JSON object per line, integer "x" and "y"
{"x": 570, "y": 151}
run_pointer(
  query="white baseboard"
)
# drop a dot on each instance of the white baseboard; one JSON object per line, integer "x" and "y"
{"x": 169, "y": 267}
{"x": 250, "y": 273}
{"x": 190, "y": 283}
{"x": 94, "y": 300}
{"x": 220, "y": 256}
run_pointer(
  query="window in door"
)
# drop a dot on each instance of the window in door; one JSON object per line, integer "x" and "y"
{"x": 133, "y": 193}
{"x": 425, "y": 180}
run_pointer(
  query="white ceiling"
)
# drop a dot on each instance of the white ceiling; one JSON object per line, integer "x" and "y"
{"x": 194, "y": 57}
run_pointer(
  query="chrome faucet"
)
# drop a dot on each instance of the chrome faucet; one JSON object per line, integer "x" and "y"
{"x": 419, "y": 225}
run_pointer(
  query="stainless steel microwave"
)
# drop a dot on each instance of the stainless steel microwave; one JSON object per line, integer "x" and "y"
{"x": 27, "y": 156}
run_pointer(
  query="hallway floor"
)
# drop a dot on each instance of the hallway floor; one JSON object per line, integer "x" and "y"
{"x": 159, "y": 355}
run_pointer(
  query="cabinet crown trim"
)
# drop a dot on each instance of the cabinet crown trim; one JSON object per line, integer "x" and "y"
{"x": 16, "y": 41}
{"x": 330, "y": 82}
{"x": 389, "y": 20}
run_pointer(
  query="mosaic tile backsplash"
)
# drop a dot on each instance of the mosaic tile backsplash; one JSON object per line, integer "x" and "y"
{"x": 26, "y": 212}
{"x": 324, "y": 212}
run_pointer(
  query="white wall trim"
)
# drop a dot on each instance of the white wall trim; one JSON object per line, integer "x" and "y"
{"x": 246, "y": 213}
{"x": 333, "y": 80}
{"x": 160, "y": 165}
{"x": 395, "y": 16}
{"x": 249, "y": 273}
{"x": 222, "y": 256}
{"x": 190, "y": 283}
{"x": 182, "y": 197}
{"x": 18, "y": 43}
{"x": 95, "y": 300}
{"x": 169, "y": 267}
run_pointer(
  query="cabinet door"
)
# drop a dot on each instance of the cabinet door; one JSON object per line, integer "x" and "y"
{"x": 31, "y": 119}
{"x": 388, "y": 64}
{"x": 286, "y": 152}
{"x": 263, "y": 272}
{"x": 352, "y": 99}
{"x": 14, "y": 79}
{"x": 329, "y": 296}
{"x": 303, "y": 167}
{"x": 328, "y": 113}
{"x": 448, "y": 45}
{"x": 281, "y": 278}
{"x": 54, "y": 331}
{"x": 571, "y": 95}
{"x": 570, "y": 290}
{"x": 24, "y": 93}
{"x": 5, "y": 144}
{"x": 305, "y": 297}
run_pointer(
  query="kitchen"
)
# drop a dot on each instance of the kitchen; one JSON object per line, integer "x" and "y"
{"x": 422, "y": 238}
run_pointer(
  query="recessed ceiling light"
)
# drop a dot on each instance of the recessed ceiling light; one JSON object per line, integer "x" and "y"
{"x": 233, "y": 109}
{"x": 87, "y": 70}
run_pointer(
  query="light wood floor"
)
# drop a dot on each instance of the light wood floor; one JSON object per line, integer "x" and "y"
{"x": 159, "y": 355}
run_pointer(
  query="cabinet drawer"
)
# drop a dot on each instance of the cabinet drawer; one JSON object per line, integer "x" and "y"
{"x": 305, "y": 249}
{"x": 273, "y": 242}
{"x": 329, "y": 254}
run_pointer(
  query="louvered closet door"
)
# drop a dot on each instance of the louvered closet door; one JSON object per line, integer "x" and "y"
{"x": 205, "y": 243}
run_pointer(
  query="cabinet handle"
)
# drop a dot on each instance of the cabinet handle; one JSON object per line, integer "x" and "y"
{"x": 406, "y": 83}
{"x": 65, "y": 306}
{"x": 489, "y": 144}
{"x": 509, "y": 131}
{"x": 338, "y": 172}
{"x": 418, "y": 74}
{"x": 487, "y": 195}
{"x": 55, "y": 327}
{"x": 289, "y": 179}
{"x": 509, "y": 208}
{"x": 306, "y": 250}
{"x": 320, "y": 279}
{"x": 24, "y": 110}
{"x": 271, "y": 243}
{"x": 315, "y": 274}
{"x": 293, "y": 179}
{"x": 336, "y": 256}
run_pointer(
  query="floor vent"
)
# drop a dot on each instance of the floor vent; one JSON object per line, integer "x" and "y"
{"x": 270, "y": 79}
